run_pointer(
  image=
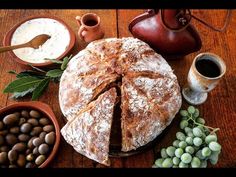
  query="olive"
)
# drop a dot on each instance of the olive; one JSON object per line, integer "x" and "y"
{"x": 4, "y": 149}
{"x": 40, "y": 159}
{"x": 42, "y": 135}
{"x": 3, "y": 157}
{"x": 30, "y": 157}
{"x": 44, "y": 121}
{"x": 26, "y": 128}
{"x": 50, "y": 138}
{"x": 28, "y": 151}
{"x": 11, "y": 139}
{"x": 17, "y": 114}
{"x": 35, "y": 151}
{"x": 43, "y": 149}
{"x": 10, "y": 119}
{"x": 24, "y": 137}
{"x": 3, "y": 132}
{"x": 36, "y": 131}
{"x": 48, "y": 128}
{"x": 12, "y": 155}
{"x": 12, "y": 166}
{"x": 1, "y": 140}
{"x": 19, "y": 147}
{"x": 1, "y": 125}
{"x": 25, "y": 114}
{"x": 15, "y": 130}
{"x": 35, "y": 114}
{"x": 22, "y": 120}
{"x": 37, "y": 142}
{"x": 21, "y": 160}
{"x": 30, "y": 143}
{"x": 33, "y": 121}
{"x": 29, "y": 165}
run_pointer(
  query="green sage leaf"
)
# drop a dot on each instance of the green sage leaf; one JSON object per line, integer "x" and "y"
{"x": 30, "y": 73}
{"x": 17, "y": 95}
{"x": 65, "y": 62}
{"x": 22, "y": 84}
{"x": 12, "y": 72}
{"x": 40, "y": 88}
{"x": 54, "y": 73}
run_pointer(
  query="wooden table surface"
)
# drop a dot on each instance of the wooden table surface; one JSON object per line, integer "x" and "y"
{"x": 219, "y": 109}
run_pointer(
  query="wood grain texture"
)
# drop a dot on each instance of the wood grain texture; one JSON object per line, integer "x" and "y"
{"x": 219, "y": 110}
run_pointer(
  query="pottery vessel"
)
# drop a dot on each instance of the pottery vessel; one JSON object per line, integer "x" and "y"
{"x": 89, "y": 27}
{"x": 8, "y": 37}
{"x": 195, "y": 92}
{"x": 47, "y": 112}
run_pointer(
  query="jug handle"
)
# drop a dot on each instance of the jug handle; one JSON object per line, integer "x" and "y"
{"x": 78, "y": 20}
{"x": 82, "y": 28}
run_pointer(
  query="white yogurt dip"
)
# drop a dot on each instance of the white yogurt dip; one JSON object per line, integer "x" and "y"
{"x": 51, "y": 49}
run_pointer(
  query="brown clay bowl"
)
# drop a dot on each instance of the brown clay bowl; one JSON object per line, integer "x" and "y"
{"x": 8, "y": 36}
{"x": 45, "y": 110}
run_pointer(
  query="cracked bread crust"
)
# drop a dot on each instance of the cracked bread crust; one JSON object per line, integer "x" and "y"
{"x": 88, "y": 131}
{"x": 105, "y": 58}
{"x": 150, "y": 100}
{"x": 150, "y": 94}
{"x": 148, "y": 106}
{"x": 76, "y": 91}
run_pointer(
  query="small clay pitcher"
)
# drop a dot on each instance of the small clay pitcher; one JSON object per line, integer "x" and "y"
{"x": 89, "y": 27}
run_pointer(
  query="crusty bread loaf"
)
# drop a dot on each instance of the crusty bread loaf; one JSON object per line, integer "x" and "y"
{"x": 150, "y": 94}
{"x": 88, "y": 131}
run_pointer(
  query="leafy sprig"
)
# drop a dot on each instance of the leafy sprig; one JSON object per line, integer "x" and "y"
{"x": 36, "y": 80}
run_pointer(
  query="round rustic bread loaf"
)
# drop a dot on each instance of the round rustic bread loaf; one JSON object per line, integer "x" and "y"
{"x": 147, "y": 89}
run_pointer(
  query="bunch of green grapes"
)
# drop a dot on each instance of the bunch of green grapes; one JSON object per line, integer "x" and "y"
{"x": 194, "y": 146}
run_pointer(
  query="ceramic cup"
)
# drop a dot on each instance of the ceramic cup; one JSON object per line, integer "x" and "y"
{"x": 205, "y": 73}
{"x": 89, "y": 27}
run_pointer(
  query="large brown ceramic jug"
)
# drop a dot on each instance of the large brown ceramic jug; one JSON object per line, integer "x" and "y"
{"x": 169, "y": 32}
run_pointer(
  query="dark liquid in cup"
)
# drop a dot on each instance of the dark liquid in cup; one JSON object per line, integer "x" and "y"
{"x": 90, "y": 22}
{"x": 208, "y": 68}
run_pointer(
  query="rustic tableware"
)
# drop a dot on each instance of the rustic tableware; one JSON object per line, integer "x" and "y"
{"x": 35, "y": 43}
{"x": 89, "y": 27}
{"x": 8, "y": 37}
{"x": 168, "y": 31}
{"x": 45, "y": 110}
{"x": 205, "y": 73}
